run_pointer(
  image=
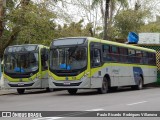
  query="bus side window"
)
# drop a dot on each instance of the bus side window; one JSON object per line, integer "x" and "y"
{"x": 139, "y": 57}
{"x": 1, "y": 66}
{"x": 131, "y": 56}
{"x": 115, "y": 53}
{"x": 106, "y": 53}
{"x": 152, "y": 59}
{"x": 96, "y": 57}
{"x": 44, "y": 58}
{"x": 123, "y": 55}
{"x": 145, "y": 58}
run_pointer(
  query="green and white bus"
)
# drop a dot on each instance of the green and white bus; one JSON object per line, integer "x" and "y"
{"x": 85, "y": 62}
{"x": 26, "y": 67}
{"x": 1, "y": 73}
{"x": 1, "y": 68}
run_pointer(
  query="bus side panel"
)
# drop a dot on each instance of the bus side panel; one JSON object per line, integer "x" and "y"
{"x": 114, "y": 75}
{"x": 123, "y": 74}
{"x": 146, "y": 75}
{"x": 44, "y": 79}
{"x": 43, "y": 65}
{"x": 151, "y": 76}
{"x": 119, "y": 76}
{"x": 96, "y": 77}
{"x": 96, "y": 82}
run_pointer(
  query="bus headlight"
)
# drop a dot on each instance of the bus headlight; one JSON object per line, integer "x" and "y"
{"x": 5, "y": 79}
{"x": 73, "y": 78}
{"x": 51, "y": 78}
{"x": 30, "y": 79}
{"x": 84, "y": 76}
{"x": 38, "y": 76}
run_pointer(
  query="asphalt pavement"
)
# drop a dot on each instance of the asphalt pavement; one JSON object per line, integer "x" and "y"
{"x": 84, "y": 102}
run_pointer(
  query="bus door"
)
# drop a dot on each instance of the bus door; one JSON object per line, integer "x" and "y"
{"x": 0, "y": 69}
{"x": 96, "y": 63}
{"x": 44, "y": 67}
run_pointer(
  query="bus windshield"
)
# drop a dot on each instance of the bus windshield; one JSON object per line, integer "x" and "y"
{"x": 20, "y": 61}
{"x": 68, "y": 58}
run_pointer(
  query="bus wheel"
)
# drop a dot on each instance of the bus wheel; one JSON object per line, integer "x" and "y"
{"x": 20, "y": 91}
{"x": 104, "y": 88}
{"x": 72, "y": 91}
{"x": 49, "y": 89}
{"x": 113, "y": 89}
{"x": 139, "y": 86}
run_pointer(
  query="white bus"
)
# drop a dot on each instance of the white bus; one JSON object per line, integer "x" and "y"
{"x": 85, "y": 62}
{"x": 26, "y": 67}
{"x": 1, "y": 73}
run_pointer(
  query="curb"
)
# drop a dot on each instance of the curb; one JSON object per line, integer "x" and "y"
{"x": 5, "y": 92}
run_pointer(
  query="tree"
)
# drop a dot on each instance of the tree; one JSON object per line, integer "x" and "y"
{"x": 89, "y": 15}
{"x": 74, "y": 29}
{"x": 27, "y": 22}
{"x": 106, "y": 14}
{"x": 110, "y": 6}
{"x": 1, "y": 17}
{"x": 37, "y": 26}
{"x": 1, "y": 24}
{"x": 152, "y": 26}
{"x": 115, "y": 7}
{"x": 129, "y": 20}
{"x": 15, "y": 30}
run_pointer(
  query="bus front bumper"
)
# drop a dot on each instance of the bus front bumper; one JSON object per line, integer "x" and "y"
{"x": 61, "y": 84}
{"x": 36, "y": 83}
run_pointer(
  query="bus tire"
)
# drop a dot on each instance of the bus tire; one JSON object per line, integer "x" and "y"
{"x": 20, "y": 90}
{"x": 113, "y": 89}
{"x": 72, "y": 91}
{"x": 49, "y": 89}
{"x": 104, "y": 88}
{"x": 139, "y": 86}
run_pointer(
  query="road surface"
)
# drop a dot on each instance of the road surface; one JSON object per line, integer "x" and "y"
{"x": 85, "y": 101}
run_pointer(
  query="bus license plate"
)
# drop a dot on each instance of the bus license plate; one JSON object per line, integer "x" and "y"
{"x": 20, "y": 84}
{"x": 66, "y": 83}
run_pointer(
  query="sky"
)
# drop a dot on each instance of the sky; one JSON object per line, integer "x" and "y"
{"x": 71, "y": 11}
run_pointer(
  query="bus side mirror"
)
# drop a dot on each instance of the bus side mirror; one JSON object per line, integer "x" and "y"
{"x": 44, "y": 54}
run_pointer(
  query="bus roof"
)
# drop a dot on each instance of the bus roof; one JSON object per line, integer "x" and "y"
{"x": 28, "y": 45}
{"x": 16, "y": 48}
{"x": 120, "y": 44}
{"x": 91, "y": 39}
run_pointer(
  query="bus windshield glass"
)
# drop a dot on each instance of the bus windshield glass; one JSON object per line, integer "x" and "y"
{"x": 68, "y": 58}
{"x": 21, "y": 59}
{"x": 68, "y": 41}
{"x": 22, "y": 48}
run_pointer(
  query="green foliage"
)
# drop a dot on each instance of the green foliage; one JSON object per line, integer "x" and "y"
{"x": 152, "y": 27}
{"x": 95, "y": 3}
{"x": 73, "y": 30}
{"x": 10, "y": 4}
{"x": 36, "y": 24}
{"x": 129, "y": 20}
